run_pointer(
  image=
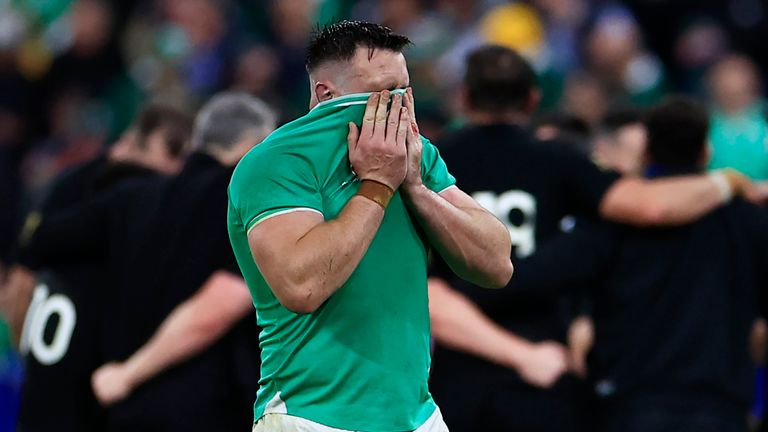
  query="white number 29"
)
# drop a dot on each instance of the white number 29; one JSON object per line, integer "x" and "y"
{"x": 523, "y": 235}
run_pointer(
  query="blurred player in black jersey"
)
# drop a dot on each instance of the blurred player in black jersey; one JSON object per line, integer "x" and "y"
{"x": 673, "y": 306}
{"x": 62, "y": 317}
{"x": 163, "y": 240}
{"x": 499, "y": 367}
{"x": 674, "y": 314}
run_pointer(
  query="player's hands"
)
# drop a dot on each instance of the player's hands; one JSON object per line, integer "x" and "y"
{"x": 742, "y": 186}
{"x": 543, "y": 364}
{"x": 758, "y": 193}
{"x": 581, "y": 338}
{"x": 111, "y": 383}
{"x": 377, "y": 150}
{"x": 414, "y": 145}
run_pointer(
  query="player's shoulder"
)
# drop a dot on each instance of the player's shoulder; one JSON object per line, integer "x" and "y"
{"x": 281, "y": 153}
{"x": 496, "y": 140}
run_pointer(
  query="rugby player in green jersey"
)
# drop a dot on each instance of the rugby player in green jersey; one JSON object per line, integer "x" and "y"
{"x": 330, "y": 219}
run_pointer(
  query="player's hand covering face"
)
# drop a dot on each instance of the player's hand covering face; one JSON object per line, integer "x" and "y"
{"x": 377, "y": 151}
{"x": 414, "y": 146}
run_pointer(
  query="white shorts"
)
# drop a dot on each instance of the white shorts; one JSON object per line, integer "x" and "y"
{"x": 288, "y": 423}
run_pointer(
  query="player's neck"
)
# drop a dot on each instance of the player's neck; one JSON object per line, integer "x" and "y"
{"x": 488, "y": 118}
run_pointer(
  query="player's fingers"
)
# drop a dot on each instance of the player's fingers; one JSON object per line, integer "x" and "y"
{"x": 353, "y": 135}
{"x": 411, "y": 104}
{"x": 413, "y": 127}
{"x": 402, "y": 127}
{"x": 394, "y": 119}
{"x": 369, "y": 117}
{"x": 380, "y": 126}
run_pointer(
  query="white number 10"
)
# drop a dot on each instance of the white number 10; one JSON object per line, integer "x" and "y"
{"x": 41, "y": 309}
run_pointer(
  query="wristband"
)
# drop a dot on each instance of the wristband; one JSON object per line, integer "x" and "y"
{"x": 376, "y": 191}
{"x": 723, "y": 185}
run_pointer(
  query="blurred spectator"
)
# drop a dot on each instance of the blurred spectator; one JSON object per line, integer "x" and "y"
{"x": 700, "y": 45}
{"x": 739, "y": 132}
{"x": 291, "y": 22}
{"x": 564, "y": 20}
{"x": 614, "y": 52}
{"x": 77, "y": 129}
{"x": 180, "y": 47}
{"x": 585, "y": 97}
{"x": 257, "y": 72}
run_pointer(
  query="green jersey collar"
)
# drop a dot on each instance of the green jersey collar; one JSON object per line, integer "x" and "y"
{"x": 351, "y": 99}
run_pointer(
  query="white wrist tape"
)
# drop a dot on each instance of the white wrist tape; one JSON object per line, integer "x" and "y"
{"x": 719, "y": 179}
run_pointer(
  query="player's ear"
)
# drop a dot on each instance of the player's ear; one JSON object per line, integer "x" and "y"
{"x": 324, "y": 91}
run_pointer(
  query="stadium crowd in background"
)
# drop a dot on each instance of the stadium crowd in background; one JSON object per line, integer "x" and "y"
{"x": 75, "y": 74}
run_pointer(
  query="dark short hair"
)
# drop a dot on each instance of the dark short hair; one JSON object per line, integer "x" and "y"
{"x": 498, "y": 79}
{"x": 620, "y": 116}
{"x": 677, "y": 132}
{"x": 567, "y": 124}
{"x": 173, "y": 123}
{"x": 339, "y": 41}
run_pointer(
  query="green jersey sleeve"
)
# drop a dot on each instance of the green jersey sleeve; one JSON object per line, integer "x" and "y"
{"x": 267, "y": 184}
{"x": 434, "y": 172}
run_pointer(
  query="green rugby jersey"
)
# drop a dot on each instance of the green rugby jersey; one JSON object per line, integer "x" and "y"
{"x": 361, "y": 361}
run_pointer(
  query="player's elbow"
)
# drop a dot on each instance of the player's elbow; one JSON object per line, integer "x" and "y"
{"x": 299, "y": 298}
{"x": 496, "y": 274}
{"x": 502, "y": 274}
{"x": 300, "y": 307}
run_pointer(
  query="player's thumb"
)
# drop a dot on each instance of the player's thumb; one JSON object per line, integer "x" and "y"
{"x": 352, "y": 136}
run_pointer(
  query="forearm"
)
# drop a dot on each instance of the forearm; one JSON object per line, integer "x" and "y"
{"x": 192, "y": 327}
{"x": 324, "y": 258}
{"x": 473, "y": 242}
{"x": 177, "y": 340}
{"x": 670, "y": 201}
{"x": 458, "y": 324}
